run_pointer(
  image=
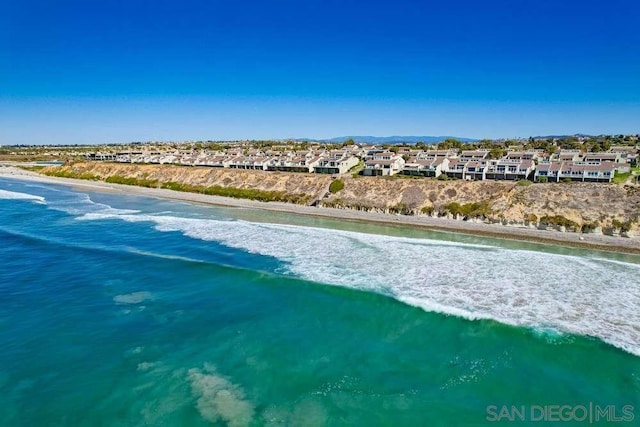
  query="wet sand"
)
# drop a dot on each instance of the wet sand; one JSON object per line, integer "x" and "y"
{"x": 579, "y": 240}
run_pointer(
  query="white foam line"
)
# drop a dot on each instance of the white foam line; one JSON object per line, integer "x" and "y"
{"x": 12, "y": 195}
{"x": 75, "y": 203}
{"x": 163, "y": 256}
{"x": 574, "y": 294}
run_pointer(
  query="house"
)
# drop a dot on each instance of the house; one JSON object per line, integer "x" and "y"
{"x": 467, "y": 155}
{"x": 291, "y": 164}
{"x": 549, "y": 170}
{"x": 456, "y": 168}
{"x": 568, "y": 156}
{"x": 588, "y": 172}
{"x": 470, "y": 170}
{"x": 434, "y": 154}
{"x": 215, "y": 161}
{"x": 475, "y": 170}
{"x": 167, "y": 159}
{"x": 335, "y": 166}
{"x": 627, "y": 153}
{"x": 603, "y": 157}
{"x": 523, "y": 155}
{"x": 383, "y": 165}
{"x": 427, "y": 168}
{"x": 381, "y": 155}
{"x": 370, "y": 150}
{"x": 510, "y": 169}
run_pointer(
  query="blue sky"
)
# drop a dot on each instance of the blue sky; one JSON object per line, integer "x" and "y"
{"x": 117, "y": 71}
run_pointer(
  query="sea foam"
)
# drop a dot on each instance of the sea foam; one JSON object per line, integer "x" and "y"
{"x": 12, "y": 195}
{"x": 574, "y": 294}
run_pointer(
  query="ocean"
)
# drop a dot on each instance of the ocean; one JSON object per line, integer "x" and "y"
{"x": 121, "y": 310}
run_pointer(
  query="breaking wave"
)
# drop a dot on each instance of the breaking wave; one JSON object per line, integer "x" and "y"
{"x": 12, "y": 195}
{"x": 566, "y": 293}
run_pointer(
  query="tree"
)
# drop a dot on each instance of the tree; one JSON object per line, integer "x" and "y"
{"x": 497, "y": 153}
{"x": 349, "y": 141}
{"x": 450, "y": 143}
{"x": 486, "y": 143}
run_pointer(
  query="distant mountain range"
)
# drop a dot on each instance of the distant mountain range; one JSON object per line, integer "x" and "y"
{"x": 389, "y": 139}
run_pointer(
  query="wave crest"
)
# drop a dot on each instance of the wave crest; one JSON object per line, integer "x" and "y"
{"x": 575, "y": 294}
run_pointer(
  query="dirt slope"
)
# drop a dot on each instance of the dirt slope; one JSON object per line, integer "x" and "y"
{"x": 603, "y": 206}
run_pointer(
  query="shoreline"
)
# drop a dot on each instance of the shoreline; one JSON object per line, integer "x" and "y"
{"x": 628, "y": 245}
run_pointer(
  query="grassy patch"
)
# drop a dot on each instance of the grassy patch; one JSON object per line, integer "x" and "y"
{"x": 140, "y": 182}
{"x": 356, "y": 171}
{"x": 336, "y": 185}
{"x": 62, "y": 173}
{"x": 32, "y": 168}
{"x": 620, "y": 178}
{"x": 238, "y": 193}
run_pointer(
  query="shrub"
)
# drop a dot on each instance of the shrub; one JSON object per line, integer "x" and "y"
{"x": 453, "y": 208}
{"x": 524, "y": 183}
{"x": 140, "y": 182}
{"x": 443, "y": 177}
{"x": 616, "y": 223}
{"x": 471, "y": 210}
{"x": 543, "y": 179}
{"x": 400, "y": 208}
{"x": 531, "y": 217}
{"x": 559, "y": 220}
{"x": 239, "y": 193}
{"x": 32, "y": 168}
{"x": 588, "y": 227}
{"x": 427, "y": 210}
{"x": 62, "y": 173}
{"x": 336, "y": 185}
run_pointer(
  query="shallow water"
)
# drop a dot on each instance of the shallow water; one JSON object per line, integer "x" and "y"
{"x": 123, "y": 310}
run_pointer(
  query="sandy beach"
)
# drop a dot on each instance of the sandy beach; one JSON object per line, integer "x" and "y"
{"x": 587, "y": 241}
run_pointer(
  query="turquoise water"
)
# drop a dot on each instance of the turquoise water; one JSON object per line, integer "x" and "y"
{"x": 122, "y": 310}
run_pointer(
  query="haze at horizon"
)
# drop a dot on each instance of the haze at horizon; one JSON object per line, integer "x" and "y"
{"x": 77, "y": 72}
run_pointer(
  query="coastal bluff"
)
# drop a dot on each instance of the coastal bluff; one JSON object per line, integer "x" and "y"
{"x": 588, "y": 207}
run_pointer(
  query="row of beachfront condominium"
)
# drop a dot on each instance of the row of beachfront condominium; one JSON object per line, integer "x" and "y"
{"x": 535, "y": 165}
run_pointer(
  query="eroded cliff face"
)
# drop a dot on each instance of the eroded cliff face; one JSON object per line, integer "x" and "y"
{"x": 292, "y": 183}
{"x": 603, "y": 207}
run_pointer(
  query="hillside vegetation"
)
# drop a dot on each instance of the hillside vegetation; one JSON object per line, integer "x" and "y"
{"x": 586, "y": 207}
{"x": 254, "y": 185}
